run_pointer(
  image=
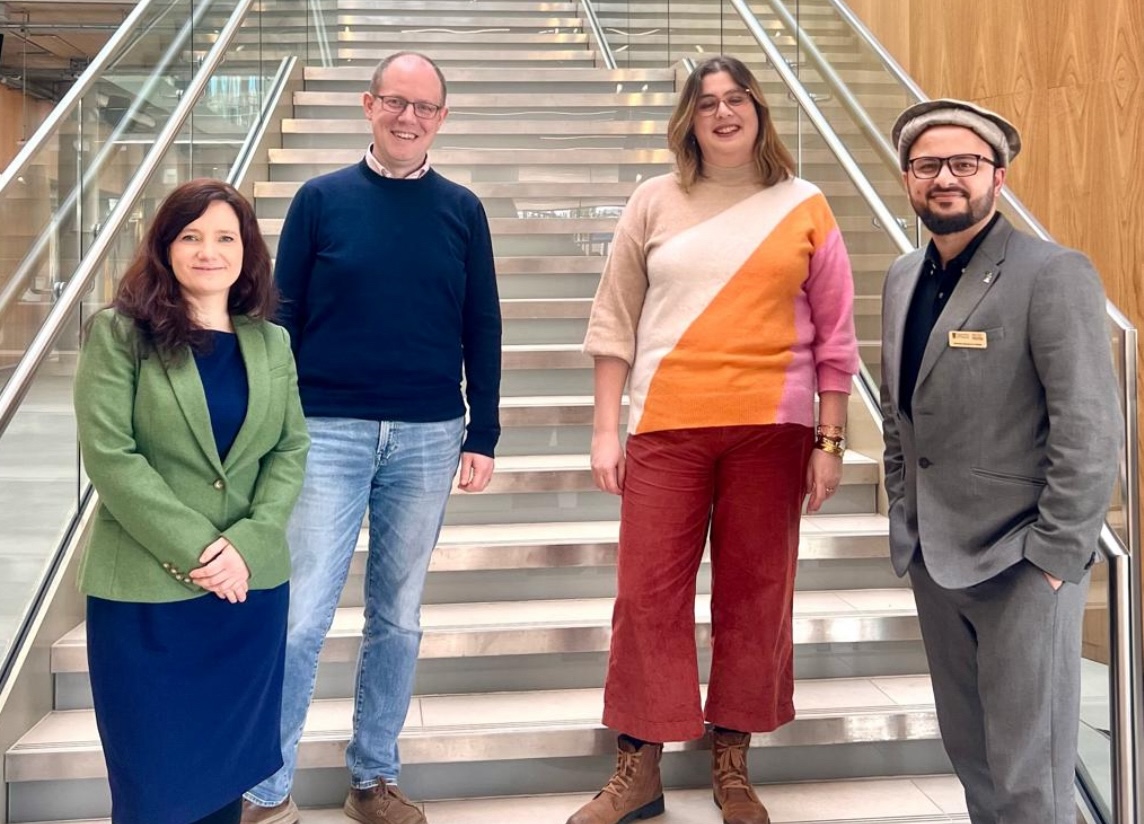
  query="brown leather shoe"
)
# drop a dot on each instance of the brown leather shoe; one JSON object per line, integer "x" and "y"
{"x": 730, "y": 782}
{"x": 383, "y": 804}
{"x": 284, "y": 813}
{"x": 633, "y": 793}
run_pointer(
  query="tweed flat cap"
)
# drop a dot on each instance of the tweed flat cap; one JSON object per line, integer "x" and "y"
{"x": 991, "y": 127}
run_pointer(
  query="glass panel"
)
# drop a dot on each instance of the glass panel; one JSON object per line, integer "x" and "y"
{"x": 1094, "y": 746}
{"x": 39, "y": 488}
{"x": 59, "y": 202}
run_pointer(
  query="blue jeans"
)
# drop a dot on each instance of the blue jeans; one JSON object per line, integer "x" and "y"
{"x": 403, "y": 473}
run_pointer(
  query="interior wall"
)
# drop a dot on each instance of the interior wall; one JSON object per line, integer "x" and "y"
{"x": 17, "y": 121}
{"x": 1068, "y": 73}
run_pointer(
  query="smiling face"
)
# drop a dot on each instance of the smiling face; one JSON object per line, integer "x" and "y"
{"x": 947, "y": 204}
{"x": 402, "y": 140}
{"x": 206, "y": 256}
{"x": 726, "y": 133}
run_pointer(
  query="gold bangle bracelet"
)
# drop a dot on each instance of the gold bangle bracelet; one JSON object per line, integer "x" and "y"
{"x": 830, "y": 448}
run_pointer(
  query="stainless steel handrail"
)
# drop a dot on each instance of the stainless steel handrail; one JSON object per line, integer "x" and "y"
{"x": 254, "y": 137}
{"x": 1124, "y": 640}
{"x": 830, "y": 137}
{"x": 1129, "y": 475}
{"x": 15, "y": 285}
{"x": 863, "y": 381}
{"x": 598, "y": 33}
{"x": 841, "y": 91}
{"x": 1012, "y": 202}
{"x": 1126, "y": 610}
{"x": 81, "y": 87}
{"x": 20, "y": 381}
{"x": 323, "y": 38}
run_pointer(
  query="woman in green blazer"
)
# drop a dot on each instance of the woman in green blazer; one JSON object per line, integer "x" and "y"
{"x": 193, "y": 435}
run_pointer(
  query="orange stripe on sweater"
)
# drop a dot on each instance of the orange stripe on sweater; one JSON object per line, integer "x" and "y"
{"x": 729, "y": 367}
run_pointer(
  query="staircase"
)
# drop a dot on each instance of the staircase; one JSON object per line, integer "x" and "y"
{"x": 505, "y": 720}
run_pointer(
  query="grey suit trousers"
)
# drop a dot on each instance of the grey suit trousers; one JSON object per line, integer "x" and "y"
{"x": 1004, "y": 658}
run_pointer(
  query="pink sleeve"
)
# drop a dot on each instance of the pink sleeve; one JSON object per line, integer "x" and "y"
{"x": 830, "y": 292}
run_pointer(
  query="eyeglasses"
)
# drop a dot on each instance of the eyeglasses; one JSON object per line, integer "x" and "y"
{"x": 962, "y": 165}
{"x": 707, "y": 106}
{"x": 397, "y": 105}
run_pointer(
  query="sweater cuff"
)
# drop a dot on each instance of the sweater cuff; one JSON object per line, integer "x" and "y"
{"x": 834, "y": 380}
{"x": 481, "y": 442}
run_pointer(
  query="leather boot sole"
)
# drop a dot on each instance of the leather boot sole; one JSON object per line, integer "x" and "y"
{"x": 649, "y": 810}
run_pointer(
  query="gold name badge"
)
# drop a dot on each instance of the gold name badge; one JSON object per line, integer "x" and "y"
{"x": 959, "y": 339}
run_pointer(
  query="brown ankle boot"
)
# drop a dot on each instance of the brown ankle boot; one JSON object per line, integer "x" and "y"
{"x": 633, "y": 793}
{"x": 733, "y": 792}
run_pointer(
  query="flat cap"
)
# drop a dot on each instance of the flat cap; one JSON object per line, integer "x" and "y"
{"x": 991, "y": 127}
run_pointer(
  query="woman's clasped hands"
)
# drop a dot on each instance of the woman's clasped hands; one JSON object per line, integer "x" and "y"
{"x": 223, "y": 571}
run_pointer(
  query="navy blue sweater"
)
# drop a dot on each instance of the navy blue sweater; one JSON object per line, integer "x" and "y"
{"x": 388, "y": 289}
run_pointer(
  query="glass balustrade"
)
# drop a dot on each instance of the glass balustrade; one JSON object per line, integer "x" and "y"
{"x": 55, "y": 202}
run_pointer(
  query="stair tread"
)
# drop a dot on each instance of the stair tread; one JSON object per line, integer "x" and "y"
{"x": 565, "y": 614}
{"x": 536, "y": 710}
{"x": 585, "y": 612}
{"x": 912, "y": 800}
{"x": 578, "y": 531}
{"x": 529, "y": 463}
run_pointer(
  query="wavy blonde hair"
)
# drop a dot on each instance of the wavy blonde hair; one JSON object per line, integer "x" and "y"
{"x": 772, "y": 158}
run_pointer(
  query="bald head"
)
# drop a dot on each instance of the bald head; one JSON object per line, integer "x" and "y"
{"x": 407, "y": 60}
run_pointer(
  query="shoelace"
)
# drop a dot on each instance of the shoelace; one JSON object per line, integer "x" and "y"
{"x": 626, "y": 763}
{"x": 731, "y": 768}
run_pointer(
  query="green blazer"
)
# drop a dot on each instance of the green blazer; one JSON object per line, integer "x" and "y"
{"x": 164, "y": 493}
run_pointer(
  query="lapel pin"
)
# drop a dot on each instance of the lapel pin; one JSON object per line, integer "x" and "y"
{"x": 988, "y": 277}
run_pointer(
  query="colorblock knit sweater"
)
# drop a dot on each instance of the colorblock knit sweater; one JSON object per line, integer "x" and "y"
{"x": 732, "y": 303}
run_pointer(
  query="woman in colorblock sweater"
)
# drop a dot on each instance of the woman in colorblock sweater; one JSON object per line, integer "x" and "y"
{"x": 192, "y": 433}
{"x": 725, "y": 306}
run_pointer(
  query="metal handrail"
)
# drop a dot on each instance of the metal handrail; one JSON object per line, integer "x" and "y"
{"x": 863, "y": 381}
{"x": 823, "y": 66}
{"x": 891, "y": 65}
{"x": 254, "y": 137}
{"x": 1123, "y": 637}
{"x": 1126, "y": 608}
{"x": 881, "y": 145}
{"x": 20, "y": 381}
{"x": 598, "y": 33}
{"x": 318, "y": 13}
{"x": 81, "y": 87}
{"x": 15, "y": 285}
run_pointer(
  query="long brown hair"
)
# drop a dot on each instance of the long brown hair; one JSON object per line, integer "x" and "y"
{"x": 150, "y": 295}
{"x": 772, "y": 158}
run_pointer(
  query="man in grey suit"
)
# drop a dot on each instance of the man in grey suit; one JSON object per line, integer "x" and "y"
{"x": 1002, "y": 431}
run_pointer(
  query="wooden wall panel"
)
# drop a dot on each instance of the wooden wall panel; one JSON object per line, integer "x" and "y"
{"x": 1070, "y": 75}
{"x": 889, "y": 20}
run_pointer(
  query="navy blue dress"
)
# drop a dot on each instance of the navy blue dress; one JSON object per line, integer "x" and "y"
{"x": 188, "y": 695}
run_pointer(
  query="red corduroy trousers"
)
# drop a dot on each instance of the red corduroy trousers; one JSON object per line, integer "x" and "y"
{"x": 745, "y": 484}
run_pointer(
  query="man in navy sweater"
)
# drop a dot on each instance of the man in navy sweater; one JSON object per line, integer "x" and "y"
{"x": 390, "y": 298}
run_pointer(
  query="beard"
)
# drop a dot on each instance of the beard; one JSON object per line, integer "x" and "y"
{"x": 976, "y": 211}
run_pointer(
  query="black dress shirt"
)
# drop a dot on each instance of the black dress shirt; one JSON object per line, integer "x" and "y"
{"x": 934, "y": 288}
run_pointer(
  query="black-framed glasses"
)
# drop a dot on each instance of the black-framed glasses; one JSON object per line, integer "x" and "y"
{"x": 960, "y": 165}
{"x": 394, "y": 104}
{"x": 708, "y": 105}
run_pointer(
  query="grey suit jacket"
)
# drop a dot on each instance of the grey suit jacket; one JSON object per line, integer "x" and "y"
{"x": 1012, "y": 449}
